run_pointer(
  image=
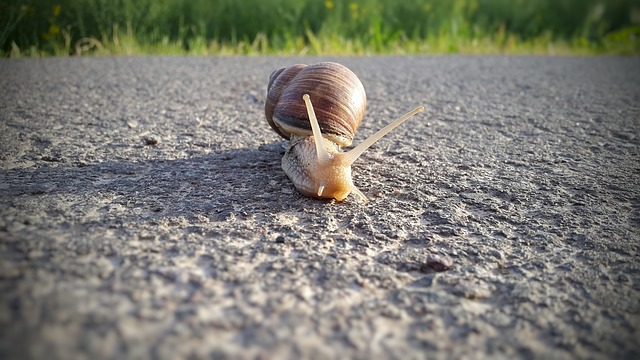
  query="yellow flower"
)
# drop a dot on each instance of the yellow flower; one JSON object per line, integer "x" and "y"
{"x": 354, "y": 10}
{"x": 56, "y": 10}
{"x": 328, "y": 4}
{"x": 54, "y": 29}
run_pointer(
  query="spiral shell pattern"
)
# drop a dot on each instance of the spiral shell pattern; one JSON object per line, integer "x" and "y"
{"x": 337, "y": 94}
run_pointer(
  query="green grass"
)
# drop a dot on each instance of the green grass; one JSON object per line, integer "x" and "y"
{"x": 115, "y": 27}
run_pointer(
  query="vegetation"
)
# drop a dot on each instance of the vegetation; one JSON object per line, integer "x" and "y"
{"x": 75, "y": 27}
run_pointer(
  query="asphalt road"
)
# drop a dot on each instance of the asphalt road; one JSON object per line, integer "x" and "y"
{"x": 144, "y": 213}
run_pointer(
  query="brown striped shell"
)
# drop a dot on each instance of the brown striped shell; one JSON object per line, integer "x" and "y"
{"x": 337, "y": 94}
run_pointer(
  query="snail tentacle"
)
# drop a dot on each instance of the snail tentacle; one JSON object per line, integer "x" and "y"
{"x": 323, "y": 155}
{"x": 357, "y": 191}
{"x": 353, "y": 155}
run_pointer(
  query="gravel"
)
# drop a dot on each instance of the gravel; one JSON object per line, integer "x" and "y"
{"x": 144, "y": 213}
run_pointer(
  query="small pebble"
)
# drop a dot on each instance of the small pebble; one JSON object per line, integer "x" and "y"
{"x": 51, "y": 158}
{"x": 34, "y": 254}
{"x": 280, "y": 239}
{"x": 150, "y": 140}
{"x": 438, "y": 262}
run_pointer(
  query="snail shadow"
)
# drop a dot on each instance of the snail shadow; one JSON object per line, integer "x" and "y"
{"x": 216, "y": 185}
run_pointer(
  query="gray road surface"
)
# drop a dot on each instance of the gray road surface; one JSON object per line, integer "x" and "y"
{"x": 143, "y": 213}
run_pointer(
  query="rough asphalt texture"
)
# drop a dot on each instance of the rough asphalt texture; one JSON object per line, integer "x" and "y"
{"x": 144, "y": 213}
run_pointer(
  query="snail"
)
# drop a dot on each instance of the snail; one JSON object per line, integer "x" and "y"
{"x": 313, "y": 160}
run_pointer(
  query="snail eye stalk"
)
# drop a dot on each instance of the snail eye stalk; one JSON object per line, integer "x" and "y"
{"x": 353, "y": 155}
{"x": 323, "y": 155}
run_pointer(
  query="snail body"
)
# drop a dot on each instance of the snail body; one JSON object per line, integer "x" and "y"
{"x": 300, "y": 95}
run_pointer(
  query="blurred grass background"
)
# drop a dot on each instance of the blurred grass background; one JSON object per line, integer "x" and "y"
{"x": 114, "y": 27}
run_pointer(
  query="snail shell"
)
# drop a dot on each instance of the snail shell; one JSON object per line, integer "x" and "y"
{"x": 313, "y": 160}
{"x": 336, "y": 92}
